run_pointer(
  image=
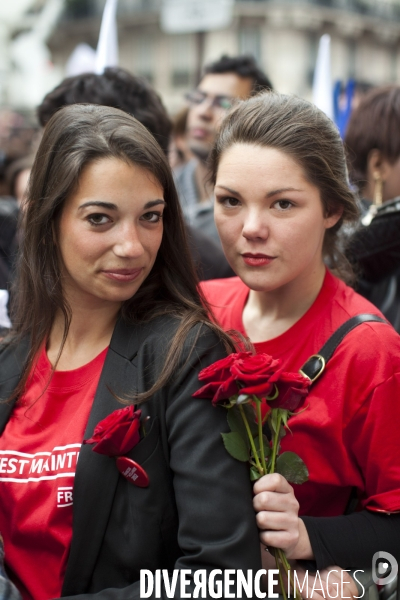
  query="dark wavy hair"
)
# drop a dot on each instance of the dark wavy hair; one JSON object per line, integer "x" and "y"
{"x": 244, "y": 66}
{"x": 74, "y": 137}
{"x": 115, "y": 87}
{"x": 299, "y": 129}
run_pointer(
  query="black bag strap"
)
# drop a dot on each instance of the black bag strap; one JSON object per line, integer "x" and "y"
{"x": 315, "y": 365}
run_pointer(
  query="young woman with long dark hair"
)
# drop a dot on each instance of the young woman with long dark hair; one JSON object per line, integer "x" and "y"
{"x": 107, "y": 314}
{"x": 282, "y": 195}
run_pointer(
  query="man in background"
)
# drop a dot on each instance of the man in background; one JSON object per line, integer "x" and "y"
{"x": 223, "y": 82}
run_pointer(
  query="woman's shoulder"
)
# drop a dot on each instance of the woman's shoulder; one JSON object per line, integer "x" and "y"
{"x": 155, "y": 336}
{"x": 351, "y": 301}
{"x": 13, "y": 354}
{"x": 347, "y": 303}
{"x": 369, "y": 357}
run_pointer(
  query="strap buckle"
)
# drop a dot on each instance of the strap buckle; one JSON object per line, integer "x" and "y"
{"x": 313, "y": 367}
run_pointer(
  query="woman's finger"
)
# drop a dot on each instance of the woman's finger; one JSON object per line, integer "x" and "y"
{"x": 279, "y": 539}
{"x": 277, "y": 521}
{"x": 275, "y": 501}
{"x": 272, "y": 483}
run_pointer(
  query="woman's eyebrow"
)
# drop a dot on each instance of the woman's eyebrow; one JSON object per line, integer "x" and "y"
{"x": 111, "y": 206}
{"x": 281, "y": 190}
{"x": 107, "y": 205}
{"x": 230, "y": 190}
{"x": 154, "y": 203}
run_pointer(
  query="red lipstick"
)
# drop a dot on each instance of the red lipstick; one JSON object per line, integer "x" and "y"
{"x": 257, "y": 260}
{"x": 123, "y": 275}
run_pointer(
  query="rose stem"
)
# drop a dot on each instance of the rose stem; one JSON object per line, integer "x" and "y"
{"x": 275, "y": 442}
{"x": 246, "y": 424}
{"x": 279, "y": 552}
{"x": 278, "y": 564}
{"x": 260, "y": 433}
{"x": 288, "y": 572}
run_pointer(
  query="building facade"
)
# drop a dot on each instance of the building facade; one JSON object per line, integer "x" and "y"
{"x": 282, "y": 35}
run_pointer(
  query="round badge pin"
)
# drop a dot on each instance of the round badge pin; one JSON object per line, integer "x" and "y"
{"x": 132, "y": 471}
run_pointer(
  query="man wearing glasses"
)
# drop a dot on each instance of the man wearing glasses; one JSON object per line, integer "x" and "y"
{"x": 224, "y": 81}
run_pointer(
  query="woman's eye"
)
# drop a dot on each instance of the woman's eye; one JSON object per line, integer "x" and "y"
{"x": 229, "y": 202}
{"x": 152, "y": 217}
{"x": 283, "y": 204}
{"x": 97, "y": 219}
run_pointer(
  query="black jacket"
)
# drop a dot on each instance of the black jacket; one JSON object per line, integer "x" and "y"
{"x": 374, "y": 251}
{"x": 197, "y": 511}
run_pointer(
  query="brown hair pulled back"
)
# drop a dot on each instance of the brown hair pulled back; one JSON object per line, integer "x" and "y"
{"x": 76, "y": 136}
{"x": 300, "y": 130}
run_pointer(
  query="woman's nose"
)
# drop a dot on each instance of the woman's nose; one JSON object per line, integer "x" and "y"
{"x": 128, "y": 243}
{"x": 255, "y": 225}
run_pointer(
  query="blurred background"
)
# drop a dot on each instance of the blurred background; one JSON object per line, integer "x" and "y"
{"x": 282, "y": 35}
{"x": 168, "y": 42}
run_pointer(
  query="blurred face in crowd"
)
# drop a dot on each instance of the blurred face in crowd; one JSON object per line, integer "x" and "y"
{"x": 391, "y": 184}
{"x": 109, "y": 232}
{"x": 270, "y": 218}
{"x": 209, "y": 103}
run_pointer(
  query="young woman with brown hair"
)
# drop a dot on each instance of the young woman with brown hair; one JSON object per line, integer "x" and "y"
{"x": 282, "y": 195}
{"x": 106, "y": 312}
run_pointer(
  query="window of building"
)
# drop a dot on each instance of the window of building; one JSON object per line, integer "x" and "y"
{"x": 145, "y": 61}
{"x": 181, "y": 63}
{"x": 250, "y": 41}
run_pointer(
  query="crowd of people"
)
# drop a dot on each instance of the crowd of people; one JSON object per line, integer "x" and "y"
{"x": 138, "y": 250}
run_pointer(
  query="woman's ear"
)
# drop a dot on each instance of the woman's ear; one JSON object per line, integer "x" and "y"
{"x": 375, "y": 165}
{"x": 378, "y": 171}
{"x": 332, "y": 219}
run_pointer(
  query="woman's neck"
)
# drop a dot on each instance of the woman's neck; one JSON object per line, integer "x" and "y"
{"x": 89, "y": 333}
{"x": 269, "y": 314}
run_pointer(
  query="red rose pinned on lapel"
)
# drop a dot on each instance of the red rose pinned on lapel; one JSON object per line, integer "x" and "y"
{"x": 116, "y": 435}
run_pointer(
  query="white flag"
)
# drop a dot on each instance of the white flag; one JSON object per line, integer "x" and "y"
{"x": 107, "y": 47}
{"x": 82, "y": 60}
{"x": 322, "y": 86}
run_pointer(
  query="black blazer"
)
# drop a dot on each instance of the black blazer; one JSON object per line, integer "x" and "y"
{"x": 197, "y": 511}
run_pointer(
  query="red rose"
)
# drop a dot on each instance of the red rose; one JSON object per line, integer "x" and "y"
{"x": 118, "y": 433}
{"x": 220, "y": 383}
{"x": 293, "y": 388}
{"x": 256, "y": 374}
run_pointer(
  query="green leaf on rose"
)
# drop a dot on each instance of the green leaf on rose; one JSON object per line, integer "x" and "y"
{"x": 236, "y": 424}
{"x": 254, "y": 474}
{"x": 236, "y": 446}
{"x": 282, "y": 432}
{"x": 231, "y": 402}
{"x": 278, "y": 414}
{"x": 284, "y": 416}
{"x": 291, "y": 466}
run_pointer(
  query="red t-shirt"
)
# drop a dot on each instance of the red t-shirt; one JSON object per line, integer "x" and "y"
{"x": 39, "y": 450}
{"x": 349, "y": 434}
